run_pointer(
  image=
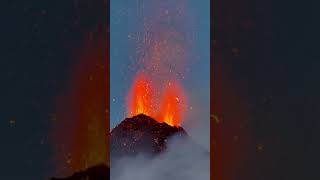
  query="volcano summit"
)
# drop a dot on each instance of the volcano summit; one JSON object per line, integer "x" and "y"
{"x": 141, "y": 134}
{"x": 143, "y": 148}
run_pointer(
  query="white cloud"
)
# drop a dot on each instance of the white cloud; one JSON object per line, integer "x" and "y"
{"x": 182, "y": 160}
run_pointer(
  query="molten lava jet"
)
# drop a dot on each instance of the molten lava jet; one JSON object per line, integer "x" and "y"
{"x": 171, "y": 107}
{"x": 140, "y": 100}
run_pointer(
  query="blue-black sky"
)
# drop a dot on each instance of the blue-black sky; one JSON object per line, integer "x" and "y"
{"x": 267, "y": 52}
{"x": 40, "y": 45}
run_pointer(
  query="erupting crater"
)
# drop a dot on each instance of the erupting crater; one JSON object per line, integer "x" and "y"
{"x": 168, "y": 105}
{"x": 154, "y": 115}
{"x": 141, "y": 134}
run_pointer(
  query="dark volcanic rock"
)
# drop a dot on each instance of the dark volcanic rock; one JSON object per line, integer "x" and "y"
{"x": 100, "y": 172}
{"x": 141, "y": 134}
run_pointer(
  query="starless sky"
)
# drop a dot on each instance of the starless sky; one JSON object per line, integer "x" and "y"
{"x": 131, "y": 20}
{"x": 41, "y": 45}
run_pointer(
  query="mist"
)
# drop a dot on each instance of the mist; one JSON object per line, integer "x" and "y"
{"x": 183, "y": 159}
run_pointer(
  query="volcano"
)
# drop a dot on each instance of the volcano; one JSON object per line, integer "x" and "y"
{"x": 141, "y": 134}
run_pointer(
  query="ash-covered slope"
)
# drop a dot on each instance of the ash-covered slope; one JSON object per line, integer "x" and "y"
{"x": 99, "y": 172}
{"x": 141, "y": 134}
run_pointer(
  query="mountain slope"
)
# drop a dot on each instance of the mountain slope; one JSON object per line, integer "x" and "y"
{"x": 141, "y": 134}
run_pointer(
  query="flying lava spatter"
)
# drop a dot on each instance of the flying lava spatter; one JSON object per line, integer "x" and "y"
{"x": 140, "y": 99}
{"x": 170, "y": 109}
{"x": 163, "y": 61}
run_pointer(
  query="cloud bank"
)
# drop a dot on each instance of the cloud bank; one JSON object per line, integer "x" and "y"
{"x": 183, "y": 160}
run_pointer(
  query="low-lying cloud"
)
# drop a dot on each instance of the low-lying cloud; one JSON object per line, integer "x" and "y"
{"x": 183, "y": 159}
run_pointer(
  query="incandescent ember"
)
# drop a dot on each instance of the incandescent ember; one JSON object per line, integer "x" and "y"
{"x": 141, "y": 134}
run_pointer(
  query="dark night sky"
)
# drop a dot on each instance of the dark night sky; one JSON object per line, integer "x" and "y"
{"x": 267, "y": 50}
{"x": 40, "y": 41}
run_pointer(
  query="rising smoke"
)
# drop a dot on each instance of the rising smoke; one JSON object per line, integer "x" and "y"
{"x": 183, "y": 159}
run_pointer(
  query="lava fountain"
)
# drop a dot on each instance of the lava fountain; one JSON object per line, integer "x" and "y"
{"x": 140, "y": 99}
{"x": 169, "y": 109}
{"x": 173, "y": 105}
{"x": 162, "y": 61}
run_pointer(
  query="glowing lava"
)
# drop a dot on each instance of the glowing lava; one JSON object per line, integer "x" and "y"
{"x": 140, "y": 100}
{"x": 172, "y": 107}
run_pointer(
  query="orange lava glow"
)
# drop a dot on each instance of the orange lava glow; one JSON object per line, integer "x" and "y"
{"x": 172, "y": 107}
{"x": 164, "y": 57}
{"x": 140, "y": 100}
